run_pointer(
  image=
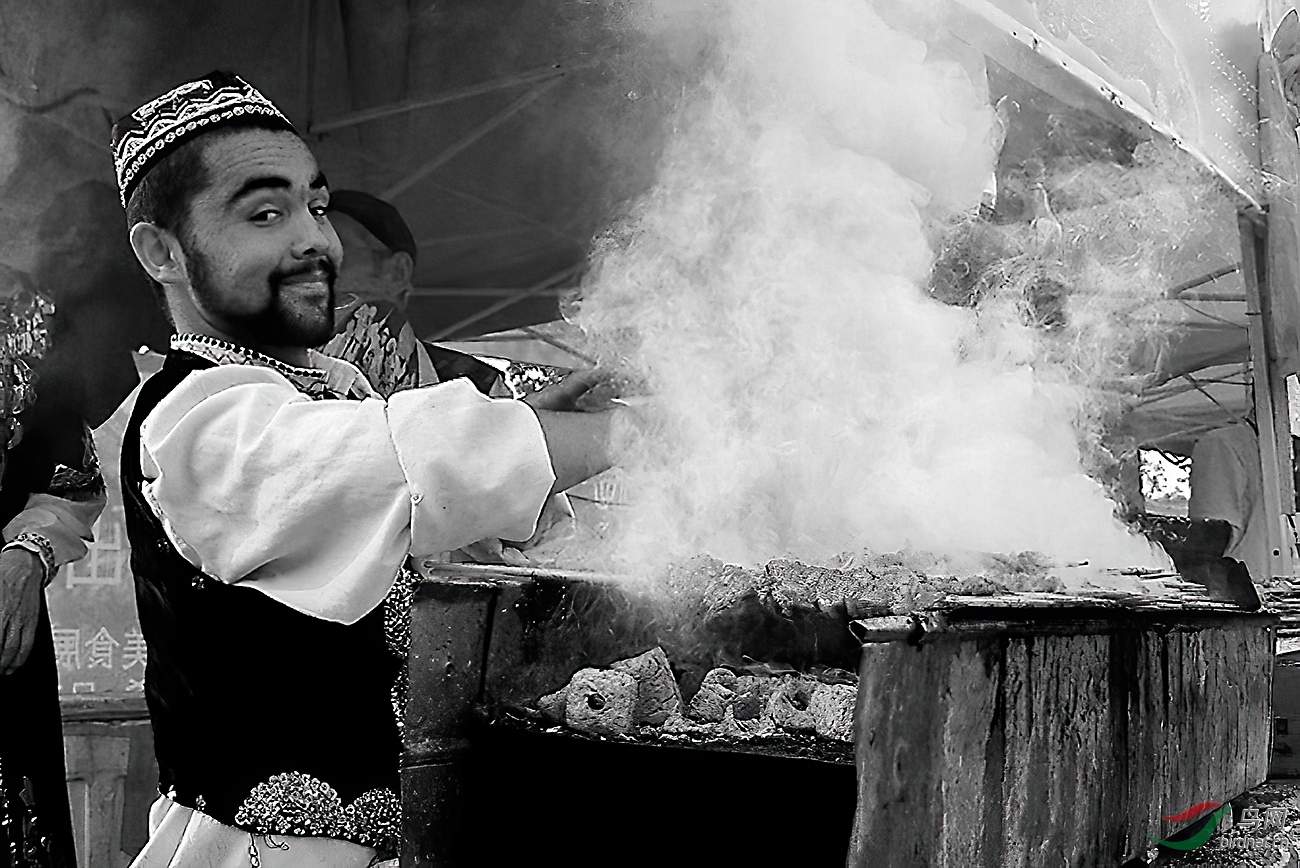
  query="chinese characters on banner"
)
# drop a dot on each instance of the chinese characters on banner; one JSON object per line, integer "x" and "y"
{"x": 98, "y": 646}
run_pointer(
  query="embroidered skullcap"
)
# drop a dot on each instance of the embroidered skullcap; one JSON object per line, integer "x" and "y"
{"x": 377, "y": 217}
{"x": 144, "y": 137}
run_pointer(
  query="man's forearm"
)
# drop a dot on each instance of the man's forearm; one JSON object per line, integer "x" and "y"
{"x": 579, "y": 444}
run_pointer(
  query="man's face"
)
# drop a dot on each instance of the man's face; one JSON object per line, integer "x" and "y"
{"x": 261, "y": 255}
{"x": 363, "y": 279}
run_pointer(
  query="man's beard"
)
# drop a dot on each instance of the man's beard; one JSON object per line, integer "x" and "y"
{"x": 275, "y": 325}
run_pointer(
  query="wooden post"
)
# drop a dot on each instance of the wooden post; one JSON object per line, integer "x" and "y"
{"x": 1254, "y": 242}
{"x": 1279, "y": 159}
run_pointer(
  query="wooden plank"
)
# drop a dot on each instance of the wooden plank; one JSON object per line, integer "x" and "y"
{"x": 900, "y": 754}
{"x": 1097, "y": 736}
{"x": 1018, "y": 690}
{"x": 971, "y": 792}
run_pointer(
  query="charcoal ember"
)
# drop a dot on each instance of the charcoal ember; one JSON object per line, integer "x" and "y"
{"x": 552, "y": 705}
{"x": 710, "y": 585}
{"x": 752, "y": 695}
{"x": 978, "y": 586}
{"x": 834, "y": 675}
{"x": 658, "y": 696}
{"x": 676, "y": 724}
{"x": 601, "y": 702}
{"x": 717, "y": 692}
{"x": 831, "y": 708}
{"x": 788, "y": 705}
{"x": 792, "y": 584}
{"x": 729, "y": 727}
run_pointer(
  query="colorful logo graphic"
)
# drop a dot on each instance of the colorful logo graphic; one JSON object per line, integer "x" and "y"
{"x": 1201, "y": 835}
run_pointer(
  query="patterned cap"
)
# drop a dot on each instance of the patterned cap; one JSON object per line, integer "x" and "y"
{"x": 160, "y": 126}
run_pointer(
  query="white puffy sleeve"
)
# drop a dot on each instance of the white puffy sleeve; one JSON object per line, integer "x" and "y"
{"x": 318, "y": 503}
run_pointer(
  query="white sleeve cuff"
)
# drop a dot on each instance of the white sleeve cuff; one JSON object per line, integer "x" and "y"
{"x": 477, "y": 467}
{"x": 65, "y": 523}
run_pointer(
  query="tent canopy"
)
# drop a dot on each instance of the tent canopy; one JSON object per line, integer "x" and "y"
{"x": 510, "y": 132}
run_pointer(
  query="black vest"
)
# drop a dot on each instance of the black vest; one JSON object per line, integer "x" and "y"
{"x": 263, "y": 717}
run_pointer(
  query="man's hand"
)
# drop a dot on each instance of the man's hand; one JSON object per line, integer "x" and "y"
{"x": 20, "y": 606}
{"x": 589, "y": 391}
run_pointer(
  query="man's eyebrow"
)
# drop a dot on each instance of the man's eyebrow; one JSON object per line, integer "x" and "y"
{"x": 275, "y": 182}
{"x": 265, "y": 182}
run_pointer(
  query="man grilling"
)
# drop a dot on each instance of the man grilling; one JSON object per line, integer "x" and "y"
{"x": 272, "y": 496}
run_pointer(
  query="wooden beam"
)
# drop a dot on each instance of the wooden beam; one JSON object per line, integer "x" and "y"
{"x": 1178, "y": 289}
{"x": 468, "y": 139}
{"x": 532, "y": 76}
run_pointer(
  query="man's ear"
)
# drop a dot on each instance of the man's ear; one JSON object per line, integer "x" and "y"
{"x": 399, "y": 268}
{"x": 159, "y": 253}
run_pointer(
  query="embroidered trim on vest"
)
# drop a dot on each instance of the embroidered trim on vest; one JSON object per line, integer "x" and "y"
{"x": 295, "y": 803}
{"x": 397, "y": 635}
{"x": 310, "y": 381}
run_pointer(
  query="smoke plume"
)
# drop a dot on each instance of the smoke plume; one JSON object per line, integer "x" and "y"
{"x": 810, "y": 396}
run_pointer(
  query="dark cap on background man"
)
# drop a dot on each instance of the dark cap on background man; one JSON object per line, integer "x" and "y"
{"x": 159, "y": 127}
{"x": 377, "y": 217}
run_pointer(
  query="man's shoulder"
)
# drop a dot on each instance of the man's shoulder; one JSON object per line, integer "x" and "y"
{"x": 201, "y": 384}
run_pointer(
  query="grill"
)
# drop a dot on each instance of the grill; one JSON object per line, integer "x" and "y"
{"x": 1035, "y": 727}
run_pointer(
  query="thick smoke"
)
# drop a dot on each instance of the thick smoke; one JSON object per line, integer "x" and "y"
{"x": 810, "y": 396}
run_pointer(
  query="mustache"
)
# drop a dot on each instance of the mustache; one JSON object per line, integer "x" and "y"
{"x": 321, "y": 265}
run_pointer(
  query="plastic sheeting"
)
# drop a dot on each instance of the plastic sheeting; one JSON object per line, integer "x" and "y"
{"x": 1190, "y": 63}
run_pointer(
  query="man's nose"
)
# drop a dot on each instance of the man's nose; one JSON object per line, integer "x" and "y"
{"x": 313, "y": 238}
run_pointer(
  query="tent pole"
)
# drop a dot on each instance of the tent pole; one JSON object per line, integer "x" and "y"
{"x": 545, "y": 283}
{"x": 534, "y": 76}
{"x": 468, "y": 139}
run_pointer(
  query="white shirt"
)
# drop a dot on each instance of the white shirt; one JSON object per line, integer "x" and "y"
{"x": 1226, "y": 485}
{"x": 317, "y": 503}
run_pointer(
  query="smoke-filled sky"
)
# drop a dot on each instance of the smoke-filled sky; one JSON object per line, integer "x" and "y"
{"x": 810, "y": 397}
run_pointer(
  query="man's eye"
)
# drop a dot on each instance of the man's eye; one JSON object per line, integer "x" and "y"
{"x": 318, "y": 211}
{"x": 266, "y": 215}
